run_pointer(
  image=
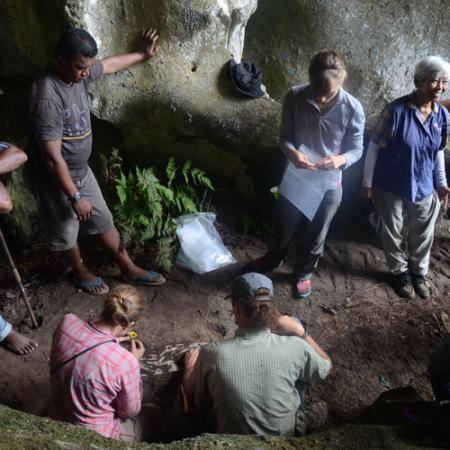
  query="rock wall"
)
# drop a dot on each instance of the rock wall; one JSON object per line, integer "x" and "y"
{"x": 381, "y": 40}
{"x": 182, "y": 102}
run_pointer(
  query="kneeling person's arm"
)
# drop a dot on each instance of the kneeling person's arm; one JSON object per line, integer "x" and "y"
{"x": 129, "y": 399}
{"x": 317, "y": 362}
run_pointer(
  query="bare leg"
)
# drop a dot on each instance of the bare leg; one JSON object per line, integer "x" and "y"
{"x": 83, "y": 276}
{"x": 18, "y": 343}
{"x": 111, "y": 241}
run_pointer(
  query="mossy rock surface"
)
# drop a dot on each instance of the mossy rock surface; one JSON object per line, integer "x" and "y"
{"x": 20, "y": 431}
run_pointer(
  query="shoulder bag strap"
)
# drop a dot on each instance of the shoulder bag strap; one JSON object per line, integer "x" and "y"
{"x": 79, "y": 354}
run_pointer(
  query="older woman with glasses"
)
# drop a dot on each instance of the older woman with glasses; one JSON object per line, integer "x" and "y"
{"x": 404, "y": 167}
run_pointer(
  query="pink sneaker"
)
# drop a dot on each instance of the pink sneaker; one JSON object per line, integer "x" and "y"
{"x": 302, "y": 289}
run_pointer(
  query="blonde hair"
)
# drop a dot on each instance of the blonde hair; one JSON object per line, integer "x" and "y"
{"x": 122, "y": 306}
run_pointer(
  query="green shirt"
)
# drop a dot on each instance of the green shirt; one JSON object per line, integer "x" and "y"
{"x": 251, "y": 380}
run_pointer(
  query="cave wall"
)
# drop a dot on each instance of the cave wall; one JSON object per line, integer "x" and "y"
{"x": 182, "y": 104}
{"x": 381, "y": 40}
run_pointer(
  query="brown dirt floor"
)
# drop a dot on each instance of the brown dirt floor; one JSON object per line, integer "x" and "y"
{"x": 377, "y": 340}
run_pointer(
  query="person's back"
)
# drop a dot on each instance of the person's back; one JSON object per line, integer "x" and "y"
{"x": 83, "y": 390}
{"x": 253, "y": 378}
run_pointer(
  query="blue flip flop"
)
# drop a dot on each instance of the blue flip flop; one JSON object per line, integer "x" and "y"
{"x": 151, "y": 278}
{"x": 89, "y": 286}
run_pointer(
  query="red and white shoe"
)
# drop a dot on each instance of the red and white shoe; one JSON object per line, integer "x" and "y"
{"x": 302, "y": 289}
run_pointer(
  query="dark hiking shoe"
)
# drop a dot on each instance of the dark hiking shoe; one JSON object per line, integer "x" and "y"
{"x": 403, "y": 285}
{"x": 421, "y": 286}
{"x": 261, "y": 265}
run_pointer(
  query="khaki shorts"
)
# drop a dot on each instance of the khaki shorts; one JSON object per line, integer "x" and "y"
{"x": 58, "y": 218}
{"x": 143, "y": 427}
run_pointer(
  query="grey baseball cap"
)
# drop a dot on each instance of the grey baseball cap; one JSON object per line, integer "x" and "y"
{"x": 245, "y": 288}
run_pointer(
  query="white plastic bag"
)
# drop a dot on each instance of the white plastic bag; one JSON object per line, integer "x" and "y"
{"x": 202, "y": 249}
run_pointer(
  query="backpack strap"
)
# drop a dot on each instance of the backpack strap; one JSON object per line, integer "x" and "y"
{"x": 52, "y": 372}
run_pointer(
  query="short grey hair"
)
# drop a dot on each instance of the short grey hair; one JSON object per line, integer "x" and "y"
{"x": 430, "y": 67}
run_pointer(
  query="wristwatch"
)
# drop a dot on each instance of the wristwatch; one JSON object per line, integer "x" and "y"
{"x": 76, "y": 197}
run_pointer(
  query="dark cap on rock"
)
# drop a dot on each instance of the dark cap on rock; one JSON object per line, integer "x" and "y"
{"x": 246, "y": 78}
{"x": 246, "y": 287}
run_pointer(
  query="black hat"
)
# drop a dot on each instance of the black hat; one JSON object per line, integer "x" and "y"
{"x": 246, "y": 78}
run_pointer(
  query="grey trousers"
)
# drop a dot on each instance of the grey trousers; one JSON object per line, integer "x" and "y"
{"x": 287, "y": 219}
{"x": 408, "y": 230}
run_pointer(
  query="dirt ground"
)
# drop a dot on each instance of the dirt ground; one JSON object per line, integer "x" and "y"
{"x": 377, "y": 340}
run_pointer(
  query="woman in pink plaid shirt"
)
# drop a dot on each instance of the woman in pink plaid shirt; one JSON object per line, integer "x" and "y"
{"x": 95, "y": 382}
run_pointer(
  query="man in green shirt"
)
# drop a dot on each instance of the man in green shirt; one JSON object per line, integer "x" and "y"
{"x": 255, "y": 381}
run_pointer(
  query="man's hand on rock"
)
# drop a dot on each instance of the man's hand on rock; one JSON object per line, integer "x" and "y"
{"x": 148, "y": 43}
{"x": 83, "y": 209}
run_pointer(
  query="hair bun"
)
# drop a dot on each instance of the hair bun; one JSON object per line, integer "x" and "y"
{"x": 124, "y": 303}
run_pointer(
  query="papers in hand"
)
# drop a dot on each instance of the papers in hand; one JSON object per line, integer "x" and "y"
{"x": 305, "y": 188}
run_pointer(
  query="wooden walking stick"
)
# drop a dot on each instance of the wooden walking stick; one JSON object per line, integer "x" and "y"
{"x": 18, "y": 280}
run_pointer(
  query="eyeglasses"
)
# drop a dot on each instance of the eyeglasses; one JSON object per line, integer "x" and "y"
{"x": 438, "y": 81}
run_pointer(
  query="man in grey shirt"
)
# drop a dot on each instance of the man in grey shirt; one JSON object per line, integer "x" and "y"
{"x": 256, "y": 379}
{"x": 66, "y": 191}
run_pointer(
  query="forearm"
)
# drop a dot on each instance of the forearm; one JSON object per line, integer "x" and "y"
{"x": 58, "y": 167}
{"x": 316, "y": 347}
{"x": 189, "y": 383}
{"x": 292, "y": 326}
{"x": 288, "y": 150}
{"x": 117, "y": 63}
{"x": 369, "y": 164}
{"x": 11, "y": 159}
{"x": 129, "y": 400}
{"x": 351, "y": 156}
{"x": 440, "y": 178}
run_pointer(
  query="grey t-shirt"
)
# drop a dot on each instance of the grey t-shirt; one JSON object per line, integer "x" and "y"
{"x": 58, "y": 110}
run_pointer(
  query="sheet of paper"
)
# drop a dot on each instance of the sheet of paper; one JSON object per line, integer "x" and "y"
{"x": 305, "y": 188}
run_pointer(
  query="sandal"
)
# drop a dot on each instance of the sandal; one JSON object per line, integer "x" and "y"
{"x": 96, "y": 287}
{"x": 151, "y": 278}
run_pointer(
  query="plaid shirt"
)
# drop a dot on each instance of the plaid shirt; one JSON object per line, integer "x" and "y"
{"x": 253, "y": 380}
{"x": 98, "y": 389}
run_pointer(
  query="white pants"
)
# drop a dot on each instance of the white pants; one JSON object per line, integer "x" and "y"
{"x": 408, "y": 230}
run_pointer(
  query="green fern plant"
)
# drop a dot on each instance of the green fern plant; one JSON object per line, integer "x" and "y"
{"x": 147, "y": 205}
